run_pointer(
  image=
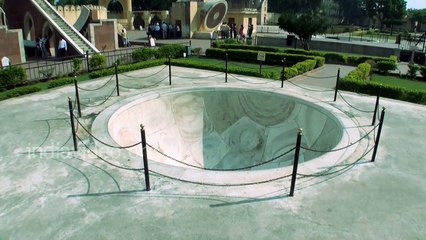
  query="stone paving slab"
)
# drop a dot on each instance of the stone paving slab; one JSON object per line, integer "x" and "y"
{"x": 48, "y": 191}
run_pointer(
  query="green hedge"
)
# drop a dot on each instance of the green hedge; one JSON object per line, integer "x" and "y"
{"x": 386, "y": 66}
{"x": 275, "y": 74}
{"x": 60, "y": 82}
{"x": 126, "y": 68}
{"x": 11, "y": 77}
{"x": 143, "y": 54}
{"x": 270, "y": 59}
{"x": 19, "y": 91}
{"x": 387, "y": 91}
{"x": 173, "y": 51}
{"x": 354, "y": 82}
{"x": 330, "y": 57}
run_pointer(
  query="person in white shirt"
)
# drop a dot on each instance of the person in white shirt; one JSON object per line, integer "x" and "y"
{"x": 62, "y": 47}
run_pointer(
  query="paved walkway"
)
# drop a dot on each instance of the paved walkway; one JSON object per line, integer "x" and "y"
{"x": 48, "y": 191}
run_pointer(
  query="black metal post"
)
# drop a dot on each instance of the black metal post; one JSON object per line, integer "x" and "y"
{"x": 77, "y": 96}
{"x": 116, "y": 80}
{"x": 283, "y": 73}
{"x": 376, "y": 108}
{"x": 87, "y": 61}
{"x": 337, "y": 84}
{"x": 379, "y": 132}
{"x": 145, "y": 159}
{"x": 74, "y": 135}
{"x": 296, "y": 162}
{"x": 170, "y": 71}
{"x": 226, "y": 67}
{"x": 190, "y": 43}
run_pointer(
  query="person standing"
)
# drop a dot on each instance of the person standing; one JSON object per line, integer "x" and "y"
{"x": 124, "y": 36}
{"x": 164, "y": 30}
{"x": 178, "y": 31}
{"x": 250, "y": 30}
{"x": 62, "y": 47}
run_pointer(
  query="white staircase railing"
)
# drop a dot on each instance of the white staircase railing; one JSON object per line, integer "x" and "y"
{"x": 68, "y": 38}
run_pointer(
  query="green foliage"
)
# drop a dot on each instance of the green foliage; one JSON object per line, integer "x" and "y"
{"x": 412, "y": 70}
{"x": 272, "y": 58}
{"x": 19, "y": 91}
{"x": 60, "y": 82}
{"x": 97, "y": 61}
{"x": 76, "y": 65}
{"x": 304, "y": 25}
{"x": 248, "y": 47}
{"x": 386, "y": 66}
{"x": 143, "y": 54}
{"x": 305, "y": 66}
{"x": 386, "y": 91}
{"x": 423, "y": 72}
{"x": 127, "y": 68}
{"x": 173, "y": 51}
{"x": 361, "y": 73}
{"x": 47, "y": 73}
{"x": 11, "y": 77}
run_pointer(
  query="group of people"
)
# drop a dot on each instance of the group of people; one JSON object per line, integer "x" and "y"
{"x": 230, "y": 31}
{"x": 164, "y": 31}
{"x": 42, "y": 46}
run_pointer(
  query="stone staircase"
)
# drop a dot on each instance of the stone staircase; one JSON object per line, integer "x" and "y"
{"x": 70, "y": 34}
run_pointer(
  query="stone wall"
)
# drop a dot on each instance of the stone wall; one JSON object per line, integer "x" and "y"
{"x": 11, "y": 42}
{"x": 104, "y": 35}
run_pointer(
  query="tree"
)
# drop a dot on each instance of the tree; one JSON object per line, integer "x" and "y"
{"x": 303, "y": 18}
{"x": 304, "y": 25}
{"x": 390, "y": 12}
{"x": 293, "y": 5}
{"x": 351, "y": 11}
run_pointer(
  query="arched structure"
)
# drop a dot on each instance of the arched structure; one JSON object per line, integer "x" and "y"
{"x": 29, "y": 31}
{"x": 48, "y": 33}
{"x": 125, "y": 15}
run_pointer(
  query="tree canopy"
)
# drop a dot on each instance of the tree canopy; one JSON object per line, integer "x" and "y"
{"x": 390, "y": 12}
{"x": 303, "y": 18}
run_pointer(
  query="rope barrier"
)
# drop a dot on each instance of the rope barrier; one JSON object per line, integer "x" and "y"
{"x": 241, "y": 66}
{"x": 365, "y": 111}
{"x": 311, "y": 89}
{"x": 147, "y": 86}
{"x": 308, "y": 76}
{"x": 108, "y": 162}
{"x": 327, "y": 172}
{"x": 104, "y": 101}
{"x": 98, "y": 88}
{"x": 144, "y": 76}
{"x": 241, "y": 80}
{"x": 198, "y": 77}
{"x": 339, "y": 149}
{"x": 102, "y": 142}
{"x": 218, "y": 184}
{"x": 215, "y": 169}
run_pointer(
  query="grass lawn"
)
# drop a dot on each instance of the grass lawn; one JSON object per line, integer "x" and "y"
{"x": 399, "y": 82}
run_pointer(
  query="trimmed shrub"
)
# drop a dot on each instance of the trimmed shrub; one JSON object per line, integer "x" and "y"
{"x": 305, "y": 66}
{"x": 11, "y": 77}
{"x": 361, "y": 73}
{"x": 173, "y": 51}
{"x": 97, "y": 61}
{"x": 386, "y": 66}
{"x": 248, "y": 47}
{"x": 60, "y": 82}
{"x": 143, "y": 54}
{"x": 127, "y": 68}
{"x": 271, "y": 58}
{"x": 412, "y": 70}
{"x": 76, "y": 65}
{"x": 19, "y": 91}
{"x": 386, "y": 91}
{"x": 373, "y": 65}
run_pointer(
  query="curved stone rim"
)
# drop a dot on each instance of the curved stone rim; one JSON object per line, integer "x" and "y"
{"x": 100, "y": 128}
